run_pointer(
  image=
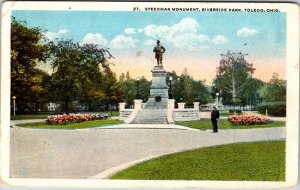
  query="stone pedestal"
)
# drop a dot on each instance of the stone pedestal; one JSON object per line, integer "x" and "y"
{"x": 122, "y": 106}
{"x": 158, "y": 85}
{"x": 196, "y": 105}
{"x": 181, "y": 105}
{"x": 156, "y": 108}
{"x": 138, "y": 104}
{"x": 171, "y": 106}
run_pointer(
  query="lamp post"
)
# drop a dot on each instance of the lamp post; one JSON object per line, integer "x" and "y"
{"x": 217, "y": 100}
{"x": 138, "y": 88}
{"x": 14, "y": 109}
{"x": 170, "y": 93}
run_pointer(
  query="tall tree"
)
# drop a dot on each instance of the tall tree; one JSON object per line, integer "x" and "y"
{"x": 233, "y": 75}
{"x": 249, "y": 94}
{"x": 188, "y": 89}
{"x": 274, "y": 90}
{"x": 27, "y": 51}
{"x": 80, "y": 72}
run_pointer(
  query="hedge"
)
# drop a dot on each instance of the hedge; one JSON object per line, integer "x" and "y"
{"x": 232, "y": 111}
{"x": 274, "y": 108}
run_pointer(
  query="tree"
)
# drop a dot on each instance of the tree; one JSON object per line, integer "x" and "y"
{"x": 274, "y": 90}
{"x": 81, "y": 73}
{"x": 127, "y": 77}
{"x": 233, "y": 75}
{"x": 128, "y": 87}
{"x": 249, "y": 94}
{"x": 122, "y": 77}
{"x": 144, "y": 89}
{"x": 27, "y": 51}
{"x": 188, "y": 89}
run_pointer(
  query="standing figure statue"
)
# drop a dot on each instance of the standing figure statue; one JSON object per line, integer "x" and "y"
{"x": 159, "y": 50}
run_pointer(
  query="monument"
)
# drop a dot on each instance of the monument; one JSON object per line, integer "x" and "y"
{"x": 156, "y": 108}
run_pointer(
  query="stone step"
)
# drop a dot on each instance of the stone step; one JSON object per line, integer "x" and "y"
{"x": 157, "y": 116}
{"x": 150, "y": 121}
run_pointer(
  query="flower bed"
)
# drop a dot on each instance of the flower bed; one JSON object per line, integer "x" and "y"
{"x": 73, "y": 118}
{"x": 248, "y": 120}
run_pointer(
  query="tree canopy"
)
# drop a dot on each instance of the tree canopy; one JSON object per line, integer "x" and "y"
{"x": 81, "y": 73}
{"x": 234, "y": 74}
{"x": 27, "y": 51}
{"x": 274, "y": 90}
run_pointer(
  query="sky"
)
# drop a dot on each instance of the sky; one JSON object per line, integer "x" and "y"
{"x": 193, "y": 40}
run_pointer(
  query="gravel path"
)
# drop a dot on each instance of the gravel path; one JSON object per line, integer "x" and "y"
{"x": 13, "y": 122}
{"x": 97, "y": 152}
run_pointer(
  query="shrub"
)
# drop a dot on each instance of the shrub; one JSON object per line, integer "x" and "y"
{"x": 274, "y": 108}
{"x": 232, "y": 111}
{"x": 248, "y": 120}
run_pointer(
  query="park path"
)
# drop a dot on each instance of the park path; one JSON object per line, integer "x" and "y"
{"x": 99, "y": 152}
{"x": 14, "y": 122}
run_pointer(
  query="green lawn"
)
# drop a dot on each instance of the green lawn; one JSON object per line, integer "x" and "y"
{"x": 259, "y": 161}
{"x": 29, "y": 116}
{"x": 44, "y": 116}
{"x": 205, "y": 124}
{"x": 86, "y": 124}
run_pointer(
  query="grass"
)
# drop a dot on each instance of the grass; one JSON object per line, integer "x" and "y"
{"x": 259, "y": 161}
{"x": 44, "y": 116}
{"x": 205, "y": 124}
{"x": 86, "y": 124}
{"x": 29, "y": 116}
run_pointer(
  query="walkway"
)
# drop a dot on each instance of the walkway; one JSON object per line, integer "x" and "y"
{"x": 13, "y": 122}
{"x": 100, "y": 152}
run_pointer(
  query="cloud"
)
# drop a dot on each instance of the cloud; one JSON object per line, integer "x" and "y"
{"x": 96, "y": 38}
{"x": 219, "y": 40}
{"x": 182, "y": 35}
{"x": 62, "y": 31}
{"x": 246, "y": 32}
{"x": 123, "y": 42}
{"x": 54, "y": 35}
{"x": 130, "y": 31}
{"x": 140, "y": 30}
{"x": 150, "y": 42}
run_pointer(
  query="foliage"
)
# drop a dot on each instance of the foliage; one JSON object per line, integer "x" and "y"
{"x": 81, "y": 73}
{"x": 274, "y": 90}
{"x": 27, "y": 51}
{"x": 233, "y": 79}
{"x": 274, "y": 108}
{"x": 258, "y": 161}
{"x": 249, "y": 93}
{"x": 231, "y": 111}
{"x": 73, "y": 118}
{"x": 188, "y": 89}
{"x": 82, "y": 125}
{"x": 128, "y": 87}
{"x": 205, "y": 124}
{"x": 248, "y": 120}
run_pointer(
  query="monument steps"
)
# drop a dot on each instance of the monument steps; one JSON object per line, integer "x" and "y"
{"x": 152, "y": 116}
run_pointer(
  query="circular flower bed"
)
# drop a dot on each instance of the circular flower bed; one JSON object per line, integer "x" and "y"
{"x": 248, "y": 120}
{"x": 73, "y": 118}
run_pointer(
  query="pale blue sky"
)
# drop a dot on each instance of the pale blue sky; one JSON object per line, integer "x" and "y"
{"x": 200, "y": 35}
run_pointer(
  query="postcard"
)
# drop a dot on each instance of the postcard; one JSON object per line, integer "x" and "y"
{"x": 149, "y": 94}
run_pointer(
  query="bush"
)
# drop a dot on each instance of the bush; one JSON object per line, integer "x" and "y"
{"x": 274, "y": 108}
{"x": 232, "y": 111}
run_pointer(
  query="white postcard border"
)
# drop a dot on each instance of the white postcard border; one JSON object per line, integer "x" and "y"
{"x": 292, "y": 76}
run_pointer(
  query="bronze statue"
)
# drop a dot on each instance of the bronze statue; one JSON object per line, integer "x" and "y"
{"x": 159, "y": 50}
